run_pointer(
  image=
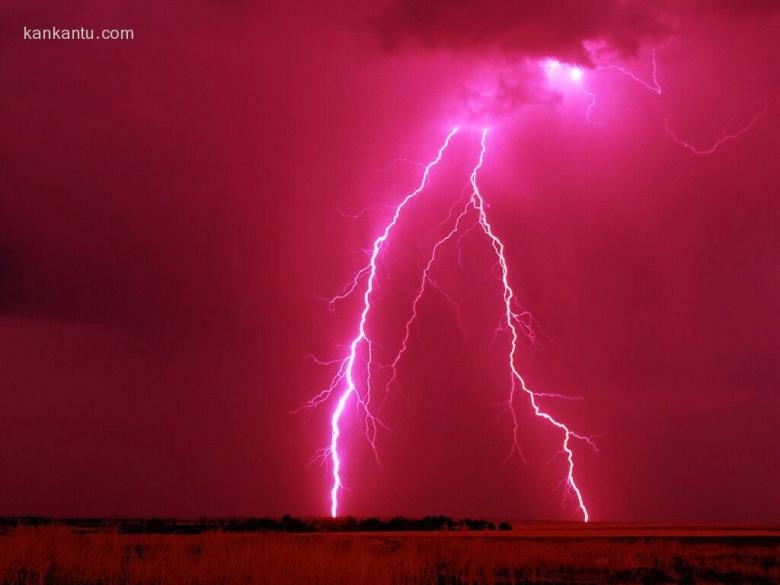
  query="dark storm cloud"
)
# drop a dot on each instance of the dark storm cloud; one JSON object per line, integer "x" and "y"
{"x": 538, "y": 28}
{"x": 527, "y": 28}
{"x": 744, "y": 8}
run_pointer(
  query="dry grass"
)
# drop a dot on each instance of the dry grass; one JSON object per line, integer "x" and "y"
{"x": 57, "y": 554}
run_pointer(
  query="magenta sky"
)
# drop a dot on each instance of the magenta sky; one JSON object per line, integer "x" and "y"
{"x": 171, "y": 208}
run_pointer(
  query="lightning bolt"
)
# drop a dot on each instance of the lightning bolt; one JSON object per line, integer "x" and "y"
{"x": 347, "y": 373}
{"x": 359, "y": 360}
{"x": 514, "y": 321}
{"x": 511, "y": 318}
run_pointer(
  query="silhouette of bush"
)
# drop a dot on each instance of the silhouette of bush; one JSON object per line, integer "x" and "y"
{"x": 286, "y": 523}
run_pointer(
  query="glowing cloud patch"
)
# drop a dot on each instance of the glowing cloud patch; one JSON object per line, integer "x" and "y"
{"x": 560, "y": 75}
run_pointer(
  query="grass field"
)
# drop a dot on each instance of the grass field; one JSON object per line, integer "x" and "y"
{"x": 540, "y": 553}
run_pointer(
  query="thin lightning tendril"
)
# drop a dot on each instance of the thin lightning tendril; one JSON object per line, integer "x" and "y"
{"x": 656, "y": 88}
{"x": 426, "y": 280}
{"x": 591, "y": 106}
{"x": 723, "y": 138}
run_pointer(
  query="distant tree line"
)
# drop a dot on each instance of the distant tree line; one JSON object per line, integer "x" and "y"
{"x": 284, "y": 524}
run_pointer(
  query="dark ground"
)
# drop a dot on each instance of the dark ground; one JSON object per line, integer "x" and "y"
{"x": 395, "y": 551}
